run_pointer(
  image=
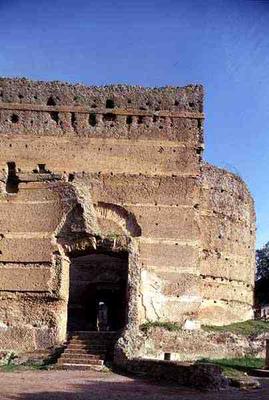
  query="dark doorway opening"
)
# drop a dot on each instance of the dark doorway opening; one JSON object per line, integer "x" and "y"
{"x": 12, "y": 184}
{"x": 98, "y": 292}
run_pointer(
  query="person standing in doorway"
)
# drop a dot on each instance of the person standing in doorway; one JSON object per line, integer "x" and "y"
{"x": 102, "y": 317}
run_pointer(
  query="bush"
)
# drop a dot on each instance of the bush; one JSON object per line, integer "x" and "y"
{"x": 169, "y": 326}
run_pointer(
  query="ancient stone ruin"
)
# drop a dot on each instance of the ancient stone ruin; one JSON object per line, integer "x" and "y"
{"x": 105, "y": 201}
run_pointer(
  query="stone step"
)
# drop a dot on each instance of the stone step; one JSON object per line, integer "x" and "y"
{"x": 92, "y": 333}
{"x": 89, "y": 347}
{"x": 87, "y": 341}
{"x": 79, "y": 361}
{"x": 90, "y": 343}
{"x": 79, "y": 367}
{"x": 86, "y": 350}
{"x": 93, "y": 337}
{"x": 81, "y": 355}
{"x": 79, "y": 341}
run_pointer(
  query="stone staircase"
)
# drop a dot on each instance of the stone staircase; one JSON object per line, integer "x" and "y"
{"x": 87, "y": 350}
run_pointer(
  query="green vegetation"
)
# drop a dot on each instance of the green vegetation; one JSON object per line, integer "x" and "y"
{"x": 242, "y": 363}
{"x": 11, "y": 366}
{"x": 169, "y": 326}
{"x": 8, "y": 368}
{"x": 112, "y": 236}
{"x": 22, "y": 367}
{"x": 78, "y": 99}
{"x": 262, "y": 262}
{"x": 235, "y": 368}
{"x": 246, "y": 328}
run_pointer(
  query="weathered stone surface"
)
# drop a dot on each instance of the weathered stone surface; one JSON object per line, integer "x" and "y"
{"x": 201, "y": 376}
{"x": 117, "y": 170}
{"x": 30, "y": 249}
{"x": 200, "y": 344}
{"x": 11, "y": 338}
{"x": 182, "y": 257}
{"x": 224, "y": 310}
{"x": 167, "y": 222}
{"x": 144, "y": 190}
{"x": 104, "y": 155}
{"x": 245, "y": 383}
{"x": 39, "y": 279}
{"x": 228, "y": 248}
{"x": 29, "y": 217}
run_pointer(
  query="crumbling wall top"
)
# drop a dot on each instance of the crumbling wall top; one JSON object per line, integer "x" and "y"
{"x": 188, "y": 98}
{"x": 56, "y": 109}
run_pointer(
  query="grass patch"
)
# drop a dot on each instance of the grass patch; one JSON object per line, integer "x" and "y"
{"x": 169, "y": 326}
{"x": 232, "y": 373}
{"x": 235, "y": 368}
{"x": 240, "y": 363}
{"x": 22, "y": 367}
{"x": 246, "y": 328}
{"x": 8, "y": 368}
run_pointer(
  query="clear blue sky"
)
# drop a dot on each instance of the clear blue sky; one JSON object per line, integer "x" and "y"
{"x": 223, "y": 44}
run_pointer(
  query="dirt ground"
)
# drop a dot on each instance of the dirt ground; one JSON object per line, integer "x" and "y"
{"x": 82, "y": 385}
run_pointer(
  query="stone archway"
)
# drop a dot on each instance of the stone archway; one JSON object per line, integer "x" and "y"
{"x": 99, "y": 266}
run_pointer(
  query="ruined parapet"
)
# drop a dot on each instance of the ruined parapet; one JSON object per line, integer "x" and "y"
{"x": 118, "y": 111}
{"x": 60, "y": 119}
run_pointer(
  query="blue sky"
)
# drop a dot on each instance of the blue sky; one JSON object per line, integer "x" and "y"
{"x": 223, "y": 44}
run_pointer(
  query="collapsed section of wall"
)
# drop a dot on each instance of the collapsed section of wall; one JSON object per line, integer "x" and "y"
{"x": 227, "y": 260}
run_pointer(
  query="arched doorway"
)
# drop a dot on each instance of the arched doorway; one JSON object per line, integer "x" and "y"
{"x": 101, "y": 259}
{"x": 98, "y": 295}
{"x": 100, "y": 263}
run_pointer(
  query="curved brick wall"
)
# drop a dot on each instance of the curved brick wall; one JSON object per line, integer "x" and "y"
{"x": 227, "y": 258}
